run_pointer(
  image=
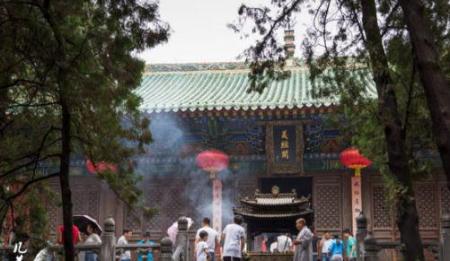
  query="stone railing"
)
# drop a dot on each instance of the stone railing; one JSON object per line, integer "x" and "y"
{"x": 368, "y": 247}
{"x": 182, "y": 243}
{"x": 108, "y": 249}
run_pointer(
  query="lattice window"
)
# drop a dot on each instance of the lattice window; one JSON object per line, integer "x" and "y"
{"x": 153, "y": 199}
{"x": 381, "y": 213}
{"x": 426, "y": 205}
{"x": 93, "y": 204}
{"x": 445, "y": 199}
{"x": 328, "y": 207}
{"x": 167, "y": 196}
{"x": 54, "y": 215}
{"x": 85, "y": 202}
{"x": 133, "y": 220}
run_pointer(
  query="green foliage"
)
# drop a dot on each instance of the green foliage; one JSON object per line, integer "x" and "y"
{"x": 38, "y": 218}
{"x": 80, "y": 54}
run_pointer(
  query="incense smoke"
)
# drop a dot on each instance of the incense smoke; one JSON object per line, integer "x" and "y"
{"x": 169, "y": 136}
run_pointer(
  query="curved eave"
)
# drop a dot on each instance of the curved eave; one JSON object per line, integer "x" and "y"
{"x": 273, "y": 215}
{"x": 290, "y": 204}
{"x": 237, "y": 107}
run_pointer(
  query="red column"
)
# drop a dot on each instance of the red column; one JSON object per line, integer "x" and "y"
{"x": 217, "y": 204}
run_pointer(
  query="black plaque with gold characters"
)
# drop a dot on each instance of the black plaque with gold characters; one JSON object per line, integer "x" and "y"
{"x": 284, "y": 142}
{"x": 284, "y": 146}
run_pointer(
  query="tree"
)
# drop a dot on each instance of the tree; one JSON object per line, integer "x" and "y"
{"x": 407, "y": 217}
{"x": 73, "y": 65}
{"x": 355, "y": 41}
{"x": 432, "y": 75}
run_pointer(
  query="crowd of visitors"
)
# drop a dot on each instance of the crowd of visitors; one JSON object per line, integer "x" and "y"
{"x": 329, "y": 248}
{"x": 230, "y": 244}
{"x": 332, "y": 248}
{"x": 91, "y": 236}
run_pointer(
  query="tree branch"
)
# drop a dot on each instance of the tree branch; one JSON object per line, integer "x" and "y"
{"x": 31, "y": 182}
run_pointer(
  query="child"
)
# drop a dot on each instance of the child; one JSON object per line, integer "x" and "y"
{"x": 336, "y": 249}
{"x": 202, "y": 247}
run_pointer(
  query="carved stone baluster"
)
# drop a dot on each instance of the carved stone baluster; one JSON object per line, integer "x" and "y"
{"x": 166, "y": 249}
{"x": 108, "y": 248}
{"x": 445, "y": 237}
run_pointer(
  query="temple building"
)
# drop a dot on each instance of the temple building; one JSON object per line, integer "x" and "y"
{"x": 281, "y": 137}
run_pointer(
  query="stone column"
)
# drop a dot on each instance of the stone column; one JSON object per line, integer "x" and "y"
{"x": 108, "y": 248}
{"x": 361, "y": 232}
{"x": 166, "y": 249}
{"x": 182, "y": 241}
{"x": 445, "y": 237}
{"x": 371, "y": 248}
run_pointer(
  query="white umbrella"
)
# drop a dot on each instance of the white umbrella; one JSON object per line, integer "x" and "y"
{"x": 81, "y": 221}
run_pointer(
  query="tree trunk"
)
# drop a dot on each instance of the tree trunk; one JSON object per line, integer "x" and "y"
{"x": 69, "y": 251}
{"x": 66, "y": 195}
{"x": 437, "y": 88}
{"x": 407, "y": 217}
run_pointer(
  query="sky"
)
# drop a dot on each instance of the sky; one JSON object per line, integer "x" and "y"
{"x": 199, "y": 32}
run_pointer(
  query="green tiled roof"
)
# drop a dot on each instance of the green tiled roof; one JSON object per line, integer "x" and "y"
{"x": 213, "y": 87}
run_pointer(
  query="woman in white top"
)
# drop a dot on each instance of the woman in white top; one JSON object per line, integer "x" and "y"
{"x": 93, "y": 238}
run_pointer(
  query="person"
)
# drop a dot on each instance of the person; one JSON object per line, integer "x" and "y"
{"x": 123, "y": 240}
{"x": 202, "y": 248}
{"x": 350, "y": 243}
{"x": 213, "y": 237}
{"x": 233, "y": 238}
{"x": 146, "y": 240}
{"x": 303, "y": 243}
{"x": 45, "y": 254}
{"x": 93, "y": 238}
{"x": 315, "y": 244}
{"x": 284, "y": 243}
{"x": 324, "y": 246}
{"x": 76, "y": 235}
{"x": 336, "y": 249}
{"x": 172, "y": 231}
{"x": 264, "y": 244}
{"x": 274, "y": 247}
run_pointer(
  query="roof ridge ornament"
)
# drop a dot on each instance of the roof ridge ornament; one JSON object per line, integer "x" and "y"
{"x": 289, "y": 46}
{"x": 275, "y": 191}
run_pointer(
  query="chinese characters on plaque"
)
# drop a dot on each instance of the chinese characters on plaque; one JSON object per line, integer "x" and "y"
{"x": 284, "y": 143}
{"x": 284, "y": 147}
{"x": 356, "y": 199}
{"x": 217, "y": 205}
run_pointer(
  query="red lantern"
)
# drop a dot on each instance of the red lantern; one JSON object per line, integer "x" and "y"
{"x": 351, "y": 158}
{"x": 212, "y": 161}
{"x": 100, "y": 167}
